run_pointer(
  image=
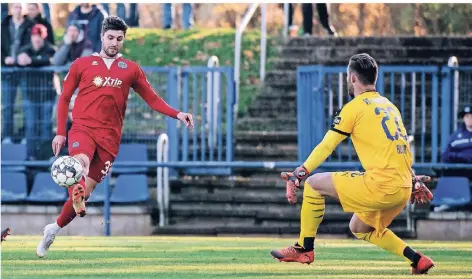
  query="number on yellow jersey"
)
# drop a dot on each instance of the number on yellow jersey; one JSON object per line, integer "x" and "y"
{"x": 389, "y": 113}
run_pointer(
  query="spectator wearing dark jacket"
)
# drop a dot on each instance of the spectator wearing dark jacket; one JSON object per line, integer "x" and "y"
{"x": 459, "y": 147}
{"x": 75, "y": 45}
{"x": 16, "y": 31}
{"x": 90, "y": 18}
{"x": 40, "y": 94}
{"x": 34, "y": 14}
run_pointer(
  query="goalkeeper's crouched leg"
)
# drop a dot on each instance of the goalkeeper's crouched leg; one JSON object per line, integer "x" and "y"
{"x": 390, "y": 242}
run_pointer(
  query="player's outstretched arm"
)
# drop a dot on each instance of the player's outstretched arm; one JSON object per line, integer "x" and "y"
{"x": 71, "y": 82}
{"x": 316, "y": 158}
{"x": 330, "y": 141}
{"x": 342, "y": 127}
{"x": 145, "y": 90}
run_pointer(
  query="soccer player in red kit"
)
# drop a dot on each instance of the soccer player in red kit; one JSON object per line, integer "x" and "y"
{"x": 104, "y": 80}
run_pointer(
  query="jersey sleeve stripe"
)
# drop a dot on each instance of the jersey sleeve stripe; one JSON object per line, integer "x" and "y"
{"x": 340, "y": 132}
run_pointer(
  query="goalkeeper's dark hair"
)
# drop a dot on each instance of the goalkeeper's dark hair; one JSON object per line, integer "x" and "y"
{"x": 114, "y": 23}
{"x": 365, "y": 67}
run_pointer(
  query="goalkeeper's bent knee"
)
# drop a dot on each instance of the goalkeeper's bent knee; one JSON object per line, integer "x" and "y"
{"x": 361, "y": 236}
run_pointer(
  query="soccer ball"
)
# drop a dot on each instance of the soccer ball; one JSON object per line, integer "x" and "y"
{"x": 66, "y": 171}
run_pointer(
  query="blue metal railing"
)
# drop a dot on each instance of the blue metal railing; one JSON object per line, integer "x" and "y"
{"x": 30, "y": 117}
{"x": 210, "y": 111}
{"x": 309, "y": 94}
{"x": 141, "y": 123}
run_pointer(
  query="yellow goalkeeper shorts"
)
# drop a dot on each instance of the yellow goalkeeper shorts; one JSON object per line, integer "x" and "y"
{"x": 375, "y": 205}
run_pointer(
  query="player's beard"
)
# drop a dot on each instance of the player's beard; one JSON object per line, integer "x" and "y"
{"x": 350, "y": 89}
{"x": 109, "y": 54}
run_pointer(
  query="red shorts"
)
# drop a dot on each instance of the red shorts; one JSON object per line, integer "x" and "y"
{"x": 82, "y": 142}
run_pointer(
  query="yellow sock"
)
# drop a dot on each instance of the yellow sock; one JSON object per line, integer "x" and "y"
{"x": 386, "y": 240}
{"x": 311, "y": 215}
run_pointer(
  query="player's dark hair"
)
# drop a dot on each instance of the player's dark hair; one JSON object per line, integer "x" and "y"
{"x": 114, "y": 23}
{"x": 365, "y": 67}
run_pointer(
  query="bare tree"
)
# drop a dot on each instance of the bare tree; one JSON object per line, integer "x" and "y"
{"x": 360, "y": 22}
{"x": 419, "y": 28}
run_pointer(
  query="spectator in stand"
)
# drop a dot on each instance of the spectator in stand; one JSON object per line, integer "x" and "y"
{"x": 4, "y": 7}
{"x": 168, "y": 15}
{"x": 459, "y": 148}
{"x": 16, "y": 30}
{"x": 34, "y": 14}
{"x": 90, "y": 18}
{"x": 75, "y": 45}
{"x": 40, "y": 94}
{"x": 47, "y": 12}
{"x": 292, "y": 29}
{"x": 133, "y": 18}
{"x": 307, "y": 11}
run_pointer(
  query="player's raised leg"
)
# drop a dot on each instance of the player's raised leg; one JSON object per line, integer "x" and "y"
{"x": 387, "y": 240}
{"x": 79, "y": 191}
{"x": 68, "y": 213}
{"x": 316, "y": 188}
{"x": 97, "y": 169}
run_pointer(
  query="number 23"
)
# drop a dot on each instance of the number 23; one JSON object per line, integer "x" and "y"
{"x": 390, "y": 111}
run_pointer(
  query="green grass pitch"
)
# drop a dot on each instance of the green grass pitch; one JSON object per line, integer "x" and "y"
{"x": 221, "y": 257}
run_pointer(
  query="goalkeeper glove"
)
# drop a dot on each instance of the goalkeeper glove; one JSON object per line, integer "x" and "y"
{"x": 420, "y": 194}
{"x": 293, "y": 180}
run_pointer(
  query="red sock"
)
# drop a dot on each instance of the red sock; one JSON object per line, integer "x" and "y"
{"x": 68, "y": 213}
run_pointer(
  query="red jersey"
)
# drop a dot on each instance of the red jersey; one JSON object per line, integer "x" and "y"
{"x": 103, "y": 96}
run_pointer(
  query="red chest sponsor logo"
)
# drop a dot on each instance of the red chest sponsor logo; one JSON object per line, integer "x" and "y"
{"x": 99, "y": 81}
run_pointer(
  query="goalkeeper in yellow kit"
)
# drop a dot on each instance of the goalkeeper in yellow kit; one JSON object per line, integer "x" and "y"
{"x": 375, "y": 196}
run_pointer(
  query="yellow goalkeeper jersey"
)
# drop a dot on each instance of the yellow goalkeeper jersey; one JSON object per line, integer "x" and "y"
{"x": 379, "y": 137}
